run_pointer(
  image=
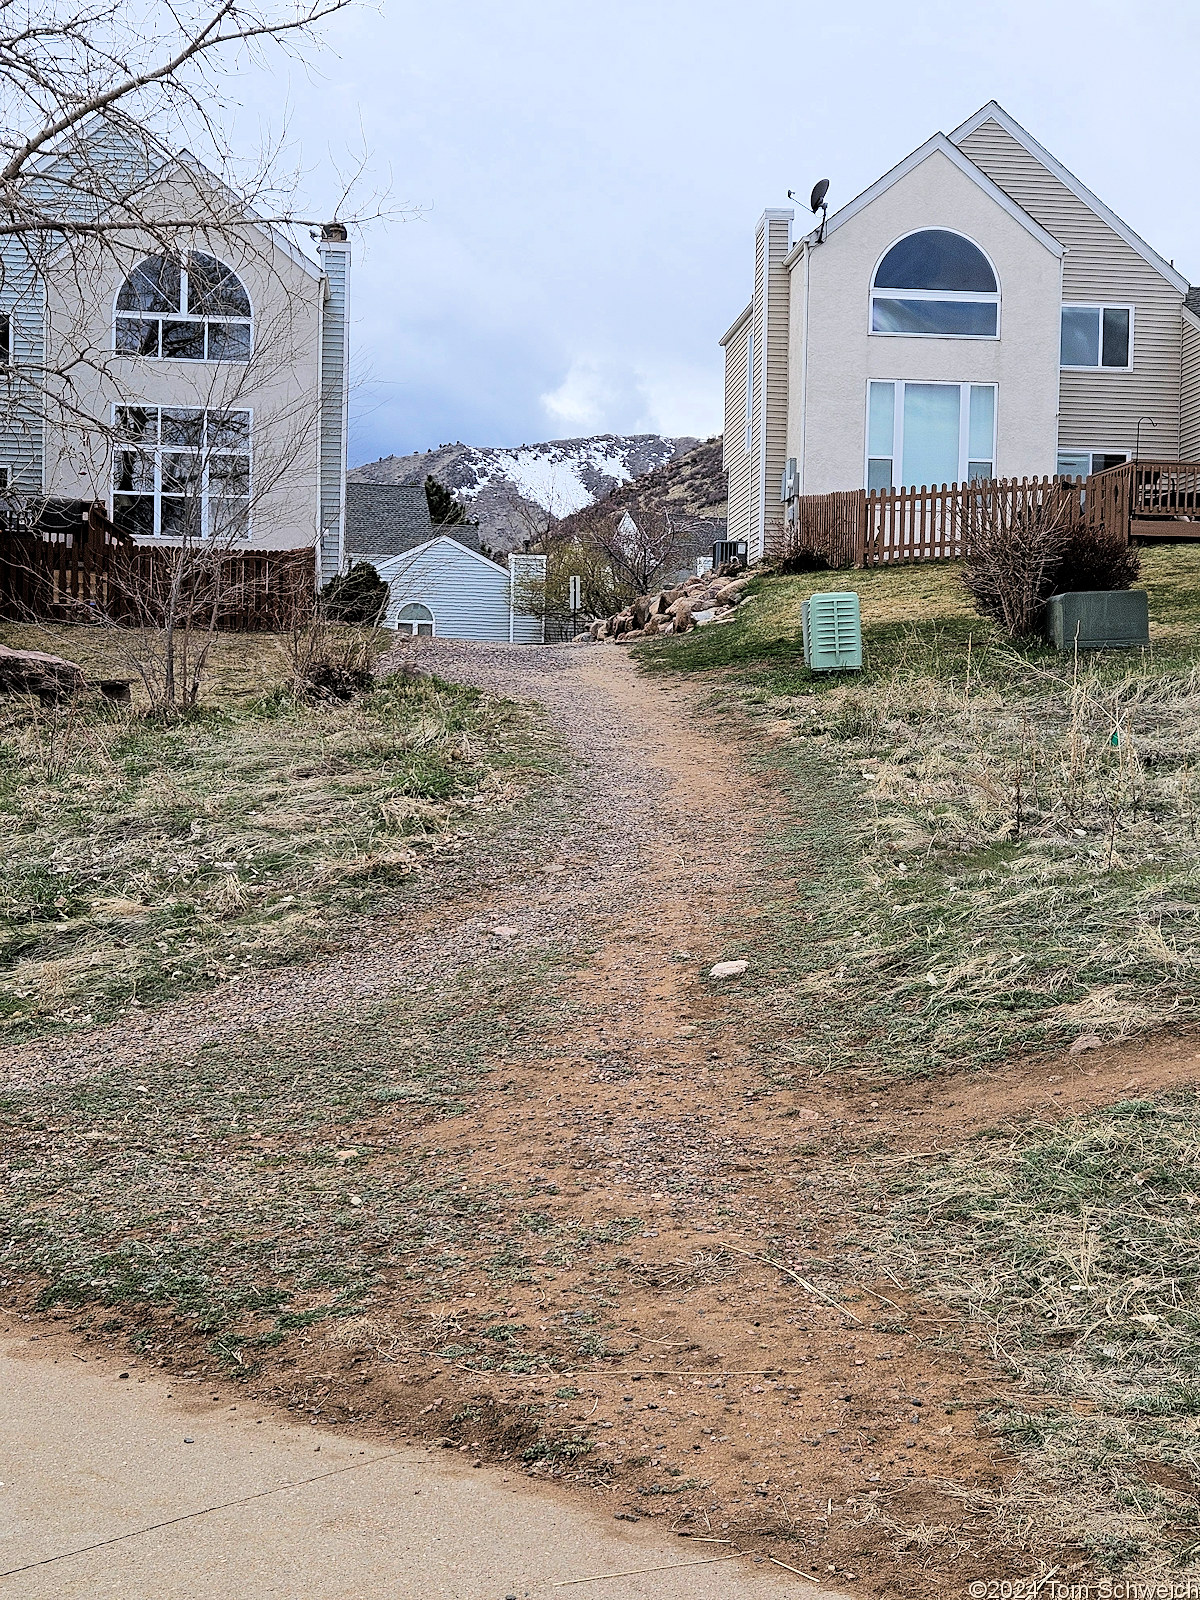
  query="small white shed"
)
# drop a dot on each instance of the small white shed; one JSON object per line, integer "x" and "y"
{"x": 442, "y": 588}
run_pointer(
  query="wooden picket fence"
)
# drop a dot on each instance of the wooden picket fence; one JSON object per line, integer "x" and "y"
{"x": 870, "y": 528}
{"x": 72, "y": 566}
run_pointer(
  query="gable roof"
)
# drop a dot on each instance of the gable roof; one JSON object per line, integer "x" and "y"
{"x": 456, "y": 547}
{"x": 994, "y": 112}
{"x": 939, "y": 143}
{"x": 389, "y": 519}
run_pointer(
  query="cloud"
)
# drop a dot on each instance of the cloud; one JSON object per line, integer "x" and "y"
{"x": 605, "y": 395}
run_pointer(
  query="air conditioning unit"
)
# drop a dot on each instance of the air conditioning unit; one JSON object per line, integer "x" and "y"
{"x": 726, "y": 550}
{"x": 832, "y": 626}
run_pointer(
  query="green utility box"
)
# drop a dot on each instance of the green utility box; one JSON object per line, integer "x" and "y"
{"x": 832, "y": 626}
{"x": 1098, "y": 619}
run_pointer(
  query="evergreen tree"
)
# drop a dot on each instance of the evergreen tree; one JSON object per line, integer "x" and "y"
{"x": 359, "y": 595}
{"x": 444, "y": 510}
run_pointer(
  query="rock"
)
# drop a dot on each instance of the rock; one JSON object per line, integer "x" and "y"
{"x": 729, "y": 969}
{"x": 1087, "y": 1041}
{"x": 641, "y": 610}
{"x": 32, "y": 672}
{"x": 701, "y": 617}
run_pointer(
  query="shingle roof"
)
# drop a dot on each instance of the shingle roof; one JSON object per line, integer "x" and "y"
{"x": 386, "y": 519}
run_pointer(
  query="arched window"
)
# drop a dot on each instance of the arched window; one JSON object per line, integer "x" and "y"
{"x": 183, "y": 309}
{"x": 415, "y": 619}
{"x": 937, "y": 284}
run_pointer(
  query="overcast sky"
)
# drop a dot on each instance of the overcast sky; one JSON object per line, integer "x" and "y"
{"x": 589, "y": 176}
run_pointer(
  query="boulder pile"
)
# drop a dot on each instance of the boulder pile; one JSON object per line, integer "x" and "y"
{"x": 694, "y": 604}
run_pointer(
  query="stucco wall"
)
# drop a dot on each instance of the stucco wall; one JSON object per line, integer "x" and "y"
{"x": 279, "y": 384}
{"x": 842, "y": 356}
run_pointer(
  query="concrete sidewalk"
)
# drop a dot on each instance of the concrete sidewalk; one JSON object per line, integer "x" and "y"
{"x": 111, "y": 1490}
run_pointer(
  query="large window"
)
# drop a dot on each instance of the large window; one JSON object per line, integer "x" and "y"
{"x": 181, "y": 473}
{"x": 415, "y": 619}
{"x": 936, "y": 284}
{"x": 189, "y": 309}
{"x": 1097, "y": 336}
{"x": 922, "y": 434}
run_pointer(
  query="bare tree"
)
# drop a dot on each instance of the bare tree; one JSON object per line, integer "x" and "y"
{"x": 640, "y": 543}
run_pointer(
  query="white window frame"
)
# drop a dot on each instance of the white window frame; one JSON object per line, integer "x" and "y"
{"x": 1091, "y": 454}
{"x": 749, "y": 439}
{"x": 157, "y": 452}
{"x": 964, "y": 425}
{"x": 1100, "y": 306}
{"x": 409, "y": 625}
{"x": 181, "y": 316}
{"x": 961, "y": 296}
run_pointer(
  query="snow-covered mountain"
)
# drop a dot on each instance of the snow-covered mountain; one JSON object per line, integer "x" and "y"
{"x": 509, "y": 491}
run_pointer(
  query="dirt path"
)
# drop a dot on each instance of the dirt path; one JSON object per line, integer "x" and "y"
{"x": 633, "y": 1310}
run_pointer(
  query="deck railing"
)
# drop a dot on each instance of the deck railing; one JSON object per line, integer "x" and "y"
{"x": 878, "y": 527}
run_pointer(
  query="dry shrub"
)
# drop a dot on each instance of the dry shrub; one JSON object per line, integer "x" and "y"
{"x": 1016, "y": 550}
{"x": 1092, "y": 560}
{"x": 1022, "y": 553}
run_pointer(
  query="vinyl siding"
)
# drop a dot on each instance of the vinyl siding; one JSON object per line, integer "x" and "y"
{"x": 1189, "y": 391}
{"x": 468, "y": 596}
{"x": 335, "y": 259}
{"x": 737, "y": 459}
{"x": 775, "y": 347}
{"x": 528, "y": 625}
{"x": 1098, "y": 410}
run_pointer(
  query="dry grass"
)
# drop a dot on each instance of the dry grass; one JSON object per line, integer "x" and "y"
{"x": 1079, "y": 1246}
{"x": 141, "y": 860}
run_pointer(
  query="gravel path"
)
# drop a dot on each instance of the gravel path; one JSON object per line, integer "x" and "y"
{"x": 629, "y": 802}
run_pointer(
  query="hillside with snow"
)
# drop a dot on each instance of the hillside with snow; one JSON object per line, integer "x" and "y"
{"x": 509, "y": 492}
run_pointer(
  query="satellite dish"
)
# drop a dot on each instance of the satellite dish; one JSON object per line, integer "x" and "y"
{"x": 817, "y": 199}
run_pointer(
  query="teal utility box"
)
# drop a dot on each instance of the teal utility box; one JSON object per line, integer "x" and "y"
{"x": 1098, "y": 619}
{"x": 832, "y": 626}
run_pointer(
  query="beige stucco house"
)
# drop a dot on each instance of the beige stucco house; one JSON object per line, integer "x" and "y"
{"x": 194, "y": 368}
{"x": 977, "y": 312}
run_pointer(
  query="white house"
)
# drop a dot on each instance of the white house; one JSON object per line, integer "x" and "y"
{"x": 977, "y": 312}
{"x": 205, "y": 356}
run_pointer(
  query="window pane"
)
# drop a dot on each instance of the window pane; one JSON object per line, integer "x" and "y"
{"x": 1074, "y": 464}
{"x": 936, "y": 259}
{"x": 1116, "y": 336}
{"x": 5, "y": 339}
{"x": 931, "y": 412}
{"x": 136, "y": 337}
{"x": 180, "y": 473}
{"x": 154, "y": 285}
{"x": 229, "y": 475}
{"x": 228, "y": 430}
{"x": 981, "y": 432}
{"x": 1102, "y": 462}
{"x": 229, "y": 341}
{"x": 879, "y": 473}
{"x": 1080, "y": 336}
{"x": 139, "y": 423}
{"x": 180, "y": 519}
{"x": 881, "y": 419}
{"x": 213, "y": 290}
{"x": 978, "y": 469}
{"x": 228, "y": 519}
{"x": 182, "y": 426}
{"x": 183, "y": 340}
{"x": 133, "y": 472}
{"x": 134, "y": 515}
{"x": 955, "y": 318}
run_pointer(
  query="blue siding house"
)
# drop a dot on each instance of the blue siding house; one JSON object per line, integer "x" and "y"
{"x": 442, "y": 589}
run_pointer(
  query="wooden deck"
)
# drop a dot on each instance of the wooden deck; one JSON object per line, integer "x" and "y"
{"x": 860, "y": 528}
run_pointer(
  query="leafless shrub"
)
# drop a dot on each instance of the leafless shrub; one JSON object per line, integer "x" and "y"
{"x": 1015, "y": 550}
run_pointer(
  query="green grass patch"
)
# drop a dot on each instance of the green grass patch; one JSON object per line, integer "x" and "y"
{"x": 140, "y": 861}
